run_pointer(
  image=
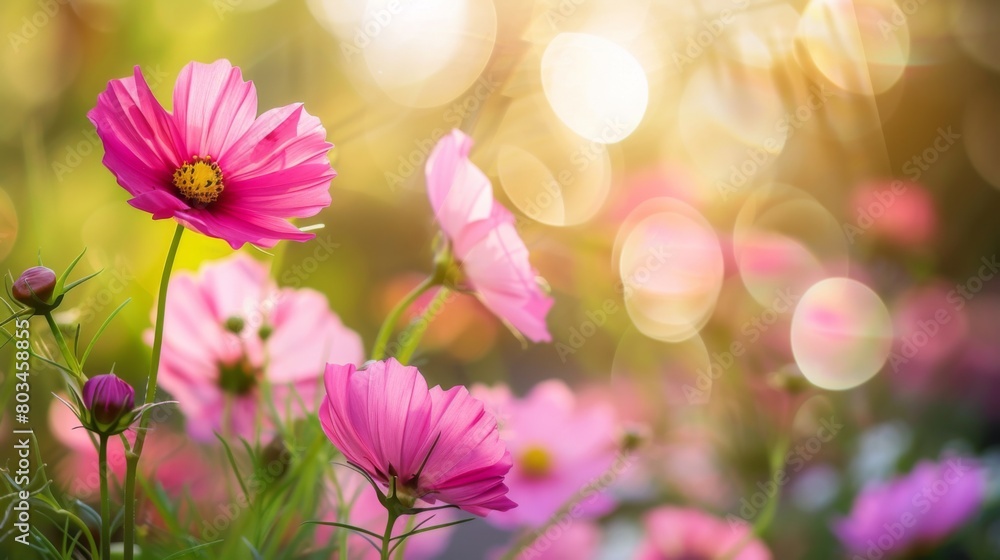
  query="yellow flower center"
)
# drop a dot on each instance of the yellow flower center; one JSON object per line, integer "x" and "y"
{"x": 536, "y": 462}
{"x": 199, "y": 180}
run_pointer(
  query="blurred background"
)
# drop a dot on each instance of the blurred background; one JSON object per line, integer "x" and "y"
{"x": 753, "y": 215}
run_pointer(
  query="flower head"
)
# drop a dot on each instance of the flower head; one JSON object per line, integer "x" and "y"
{"x": 213, "y": 164}
{"x": 559, "y": 447}
{"x": 34, "y": 287}
{"x": 675, "y": 533}
{"x": 108, "y": 398}
{"x": 229, "y": 330}
{"x": 419, "y": 443}
{"x": 957, "y": 487}
{"x": 483, "y": 241}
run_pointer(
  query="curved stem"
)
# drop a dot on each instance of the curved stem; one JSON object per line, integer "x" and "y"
{"x": 770, "y": 508}
{"x": 64, "y": 348}
{"x": 105, "y": 501}
{"x": 382, "y": 340}
{"x": 412, "y": 335}
{"x": 132, "y": 457}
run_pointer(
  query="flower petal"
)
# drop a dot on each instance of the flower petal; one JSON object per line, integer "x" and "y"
{"x": 279, "y": 139}
{"x": 213, "y": 107}
{"x": 459, "y": 192}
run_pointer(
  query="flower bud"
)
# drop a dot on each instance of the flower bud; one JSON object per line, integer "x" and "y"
{"x": 34, "y": 287}
{"x": 109, "y": 400}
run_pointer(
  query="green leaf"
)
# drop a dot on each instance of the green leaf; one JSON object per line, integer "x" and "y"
{"x": 100, "y": 330}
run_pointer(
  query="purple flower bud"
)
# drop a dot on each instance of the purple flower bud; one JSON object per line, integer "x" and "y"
{"x": 108, "y": 398}
{"x": 35, "y": 286}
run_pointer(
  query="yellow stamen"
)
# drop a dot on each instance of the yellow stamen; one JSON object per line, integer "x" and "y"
{"x": 199, "y": 180}
{"x": 536, "y": 462}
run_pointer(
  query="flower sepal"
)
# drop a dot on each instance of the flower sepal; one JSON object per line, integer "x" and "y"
{"x": 39, "y": 291}
{"x": 107, "y": 405}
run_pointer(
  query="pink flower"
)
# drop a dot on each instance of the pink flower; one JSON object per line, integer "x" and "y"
{"x": 914, "y": 511}
{"x": 562, "y": 452}
{"x": 229, "y": 329}
{"x": 579, "y": 540}
{"x": 213, "y": 165}
{"x": 366, "y": 512}
{"x": 440, "y": 445}
{"x": 676, "y": 533}
{"x": 483, "y": 238}
{"x": 170, "y": 460}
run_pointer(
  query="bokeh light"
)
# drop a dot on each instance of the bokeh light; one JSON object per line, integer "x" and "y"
{"x": 841, "y": 334}
{"x": 785, "y": 240}
{"x": 595, "y": 86}
{"x": 671, "y": 269}
{"x": 847, "y": 43}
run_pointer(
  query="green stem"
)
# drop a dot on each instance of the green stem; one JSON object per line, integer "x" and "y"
{"x": 387, "y": 536}
{"x": 132, "y": 457}
{"x": 64, "y": 348}
{"x": 401, "y": 547}
{"x": 770, "y": 508}
{"x": 105, "y": 501}
{"x": 412, "y": 335}
{"x": 382, "y": 340}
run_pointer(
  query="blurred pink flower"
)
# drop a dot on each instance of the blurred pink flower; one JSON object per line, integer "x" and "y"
{"x": 440, "y": 445}
{"x": 577, "y": 540}
{"x": 915, "y": 510}
{"x": 483, "y": 238}
{"x": 213, "y": 165}
{"x": 562, "y": 452}
{"x": 228, "y": 329}
{"x": 677, "y": 533}
{"x": 899, "y": 211}
{"x": 366, "y": 512}
{"x": 170, "y": 460}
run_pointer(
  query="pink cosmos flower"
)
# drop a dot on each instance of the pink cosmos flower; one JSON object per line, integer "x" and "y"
{"x": 170, "y": 460}
{"x": 579, "y": 540}
{"x": 483, "y": 238}
{"x": 366, "y": 512}
{"x": 213, "y": 164}
{"x": 562, "y": 452}
{"x": 440, "y": 445}
{"x": 914, "y": 511}
{"x": 229, "y": 329}
{"x": 676, "y": 533}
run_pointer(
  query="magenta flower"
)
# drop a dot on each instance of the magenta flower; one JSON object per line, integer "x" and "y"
{"x": 437, "y": 444}
{"x": 34, "y": 287}
{"x": 108, "y": 398}
{"x": 213, "y": 165}
{"x": 562, "y": 452}
{"x": 676, "y": 533}
{"x": 229, "y": 330}
{"x": 914, "y": 511}
{"x": 483, "y": 239}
